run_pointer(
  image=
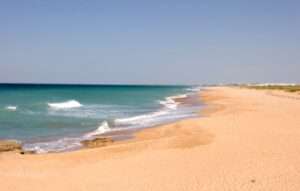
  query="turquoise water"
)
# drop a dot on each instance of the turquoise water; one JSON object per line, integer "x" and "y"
{"x": 50, "y": 118}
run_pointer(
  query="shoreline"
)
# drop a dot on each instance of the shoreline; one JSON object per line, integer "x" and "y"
{"x": 130, "y": 135}
{"x": 121, "y": 136}
{"x": 189, "y": 99}
{"x": 244, "y": 140}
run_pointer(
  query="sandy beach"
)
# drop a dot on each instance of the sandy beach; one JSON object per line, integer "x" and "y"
{"x": 244, "y": 139}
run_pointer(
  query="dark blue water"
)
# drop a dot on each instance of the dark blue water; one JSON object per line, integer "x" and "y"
{"x": 57, "y": 117}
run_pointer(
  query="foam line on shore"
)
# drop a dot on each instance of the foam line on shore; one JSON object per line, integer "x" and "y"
{"x": 167, "y": 113}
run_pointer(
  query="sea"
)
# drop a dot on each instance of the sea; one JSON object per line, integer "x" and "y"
{"x": 56, "y": 118}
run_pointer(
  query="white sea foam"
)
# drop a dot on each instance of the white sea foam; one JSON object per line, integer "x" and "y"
{"x": 179, "y": 96}
{"x": 140, "y": 119}
{"x": 194, "y": 89}
{"x": 11, "y": 108}
{"x": 170, "y": 102}
{"x": 165, "y": 114}
{"x": 65, "y": 105}
{"x": 103, "y": 128}
{"x": 67, "y": 143}
{"x": 168, "y": 113}
{"x": 59, "y": 145}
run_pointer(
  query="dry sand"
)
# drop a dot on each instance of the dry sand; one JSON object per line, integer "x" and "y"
{"x": 245, "y": 140}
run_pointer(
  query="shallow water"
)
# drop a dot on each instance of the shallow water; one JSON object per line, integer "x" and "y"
{"x": 48, "y": 118}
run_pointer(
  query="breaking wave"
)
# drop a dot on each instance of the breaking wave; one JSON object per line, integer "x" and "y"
{"x": 59, "y": 145}
{"x": 66, "y": 143}
{"x": 103, "y": 128}
{"x": 65, "y": 105}
{"x": 194, "y": 89}
{"x": 168, "y": 113}
{"x": 140, "y": 119}
{"x": 171, "y": 109}
{"x": 11, "y": 108}
{"x": 170, "y": 102}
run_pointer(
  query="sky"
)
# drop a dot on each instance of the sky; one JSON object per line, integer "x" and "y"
{"x": 149, "y": 42}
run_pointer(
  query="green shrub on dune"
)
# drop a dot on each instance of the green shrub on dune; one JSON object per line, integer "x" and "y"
{"x": 287, "y": 88}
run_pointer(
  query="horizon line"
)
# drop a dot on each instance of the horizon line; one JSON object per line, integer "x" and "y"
{"x": 92, "y": 84}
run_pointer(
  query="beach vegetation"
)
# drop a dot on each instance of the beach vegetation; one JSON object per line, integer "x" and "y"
{"x": 287, "y": 88}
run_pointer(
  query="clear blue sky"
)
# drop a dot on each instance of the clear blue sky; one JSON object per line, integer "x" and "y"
{"x": 149, "y": 42}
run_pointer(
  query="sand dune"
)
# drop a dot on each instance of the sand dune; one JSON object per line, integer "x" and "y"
{"x": 244, "y": 140}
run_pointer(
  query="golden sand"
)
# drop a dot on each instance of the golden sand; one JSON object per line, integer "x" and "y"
{"x": 244, "y": 140}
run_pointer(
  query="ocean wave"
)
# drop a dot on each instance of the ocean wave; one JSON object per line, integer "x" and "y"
{"x": 92, "y": 111}
{"x": 194, "y": 89}
{"x": 140, "y": 119}
{"x": 65, "y": 105}
{"x": 168, "y": 111}
{"x": 170, "y": 102}
{"x": 59, "y": 145}
{"x": 103, "y": 128}
{"x": 11, "y": 108}
{"x": 66, "y": 143}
